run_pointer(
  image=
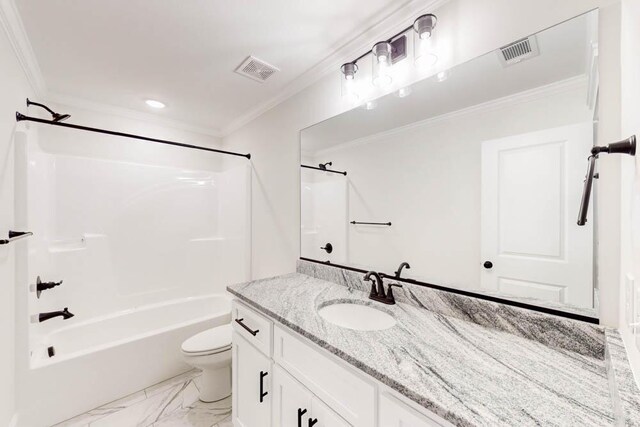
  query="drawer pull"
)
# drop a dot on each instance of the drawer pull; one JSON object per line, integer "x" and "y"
{"x": 301, "y": 412}
{"x": 262, "y": 392}
{"x": 312, "y": 422}
{"x": 248, "y": 329}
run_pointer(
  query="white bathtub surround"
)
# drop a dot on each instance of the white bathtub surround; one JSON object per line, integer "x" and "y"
{"x": 173, "y": 402}
{"x": 463, "y": 372}
{"x": 145, "y": 238}
{"x": 210, "y": 351}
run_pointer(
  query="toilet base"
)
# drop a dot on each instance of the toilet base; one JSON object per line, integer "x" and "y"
{"x": 215, "y": 384}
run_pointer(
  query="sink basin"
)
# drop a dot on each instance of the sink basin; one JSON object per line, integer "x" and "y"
{"x": 356, "y": 316}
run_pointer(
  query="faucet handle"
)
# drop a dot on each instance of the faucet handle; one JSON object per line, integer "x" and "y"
{"x": 390, "y": 296}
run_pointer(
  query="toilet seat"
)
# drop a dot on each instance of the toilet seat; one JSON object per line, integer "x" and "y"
{"x": 211, "y": 341}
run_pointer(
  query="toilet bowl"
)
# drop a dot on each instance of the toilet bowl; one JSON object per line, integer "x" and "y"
{"x": 210, "y": 351}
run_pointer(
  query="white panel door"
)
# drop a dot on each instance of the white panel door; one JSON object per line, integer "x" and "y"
{"x": 291, "y": 401}
{"x": 252, "y": 376}
{"x": 531, "y": 190}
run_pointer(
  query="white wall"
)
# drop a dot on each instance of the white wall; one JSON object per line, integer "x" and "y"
{"x": 474, "y": 28}
{"x": 630, "y": 183}
{"x": 14, "y": 88}
{"x": 408, "y": 175}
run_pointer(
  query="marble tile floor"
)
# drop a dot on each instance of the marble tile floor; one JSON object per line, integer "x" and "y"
{"x": 171, "y": 403}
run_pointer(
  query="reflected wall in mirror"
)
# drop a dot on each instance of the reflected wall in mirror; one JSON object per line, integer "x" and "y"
{"x": 479, "y": 173}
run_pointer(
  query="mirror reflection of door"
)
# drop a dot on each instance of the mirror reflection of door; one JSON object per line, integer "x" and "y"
{"x": 530, "y": 185}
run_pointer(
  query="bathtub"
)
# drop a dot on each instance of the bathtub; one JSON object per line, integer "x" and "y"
{"x": 108, "y": 357}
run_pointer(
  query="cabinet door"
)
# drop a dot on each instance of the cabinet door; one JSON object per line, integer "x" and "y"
{"x": 252, "y": 376}
{"x": 394, "y": 413}
{"x": 323, "y": 416}
{"x": 291, "y": 401}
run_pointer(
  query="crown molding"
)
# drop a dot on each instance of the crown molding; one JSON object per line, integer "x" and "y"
{"x": 529, "y": 95}
{"x": 12, "y": 24}
{"x": 393, "y": 23}
{"x": 101, "y": 108}
{"x": 13, "y": 27}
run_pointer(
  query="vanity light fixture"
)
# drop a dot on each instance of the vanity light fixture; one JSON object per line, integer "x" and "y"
{"x": 388, "y": 52}
{"x": 154, "y": 104}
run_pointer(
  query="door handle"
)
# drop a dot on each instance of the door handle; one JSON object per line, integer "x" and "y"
{"x": 301, "y": 412}
{"x": 262, "y": 392}
{"x": 312, "y": 422}
{"x": 488, "y": 265}
{"x": 248, "y": 329}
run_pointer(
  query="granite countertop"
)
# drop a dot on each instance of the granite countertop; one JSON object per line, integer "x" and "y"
{"x": 468, "y": 374}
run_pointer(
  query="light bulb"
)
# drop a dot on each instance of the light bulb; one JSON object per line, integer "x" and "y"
{"x": 154, "y": 104}
{"x": 404, "y": 92}
{"x": 442, "y": 75}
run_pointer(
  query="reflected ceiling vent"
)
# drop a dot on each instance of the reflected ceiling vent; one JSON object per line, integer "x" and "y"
{"x": 518, "y": 51}
{"x": 256, "y": 69}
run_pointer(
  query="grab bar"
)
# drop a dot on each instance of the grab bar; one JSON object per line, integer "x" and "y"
{"x": 370, "y": 223}
{"x": 15, "y": 235}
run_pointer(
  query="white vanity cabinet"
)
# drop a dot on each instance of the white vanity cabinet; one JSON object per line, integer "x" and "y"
{"x": 282, "y": 380}
{"x": 295, "y": 405}
{"x": 252, "y": 376}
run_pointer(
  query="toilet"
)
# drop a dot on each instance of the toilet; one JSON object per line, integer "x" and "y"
{"x": 210, "y": 351}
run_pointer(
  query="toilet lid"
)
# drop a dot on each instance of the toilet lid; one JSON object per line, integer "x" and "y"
{"x": 212, "y": 339}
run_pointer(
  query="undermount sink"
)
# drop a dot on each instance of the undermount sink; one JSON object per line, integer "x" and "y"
{"x": 356, "y": 316}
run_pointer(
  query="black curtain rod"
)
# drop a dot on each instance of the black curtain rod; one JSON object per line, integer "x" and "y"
{"x": 21, "y": 117}
{"x": 323, "y": 170}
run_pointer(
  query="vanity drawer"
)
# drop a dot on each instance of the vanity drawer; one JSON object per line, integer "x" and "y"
{"x": 347, "y": 392}
{"x": 253, "y": 326}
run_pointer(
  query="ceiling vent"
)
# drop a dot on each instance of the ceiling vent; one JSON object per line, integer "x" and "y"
{"x": 256, "y": 69}
{"x": 518, "y": 51}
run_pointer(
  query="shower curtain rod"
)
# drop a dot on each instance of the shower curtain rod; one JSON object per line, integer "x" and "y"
{"x": 21, "y": 117}
{"x": 323, "y": 170}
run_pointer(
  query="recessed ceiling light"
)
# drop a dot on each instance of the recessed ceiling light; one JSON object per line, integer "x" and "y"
{"x": 154, "y": 104}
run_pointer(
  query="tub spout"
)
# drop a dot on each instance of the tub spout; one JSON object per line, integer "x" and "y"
{"x": 50, "y": 315}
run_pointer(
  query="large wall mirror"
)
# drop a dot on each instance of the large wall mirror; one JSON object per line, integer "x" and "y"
{"x": 474, "y": 178}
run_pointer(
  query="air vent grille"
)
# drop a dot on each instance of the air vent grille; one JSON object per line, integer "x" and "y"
{"x": 518, "y": 51}
{"x": 256, "y": 69}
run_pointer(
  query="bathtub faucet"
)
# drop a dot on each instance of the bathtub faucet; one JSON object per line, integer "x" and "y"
{"x": 43, "y": 286}
{"x": 50, "y": 315}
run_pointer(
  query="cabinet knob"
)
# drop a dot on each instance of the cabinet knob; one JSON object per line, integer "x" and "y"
{"x": 488, "y": 265}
